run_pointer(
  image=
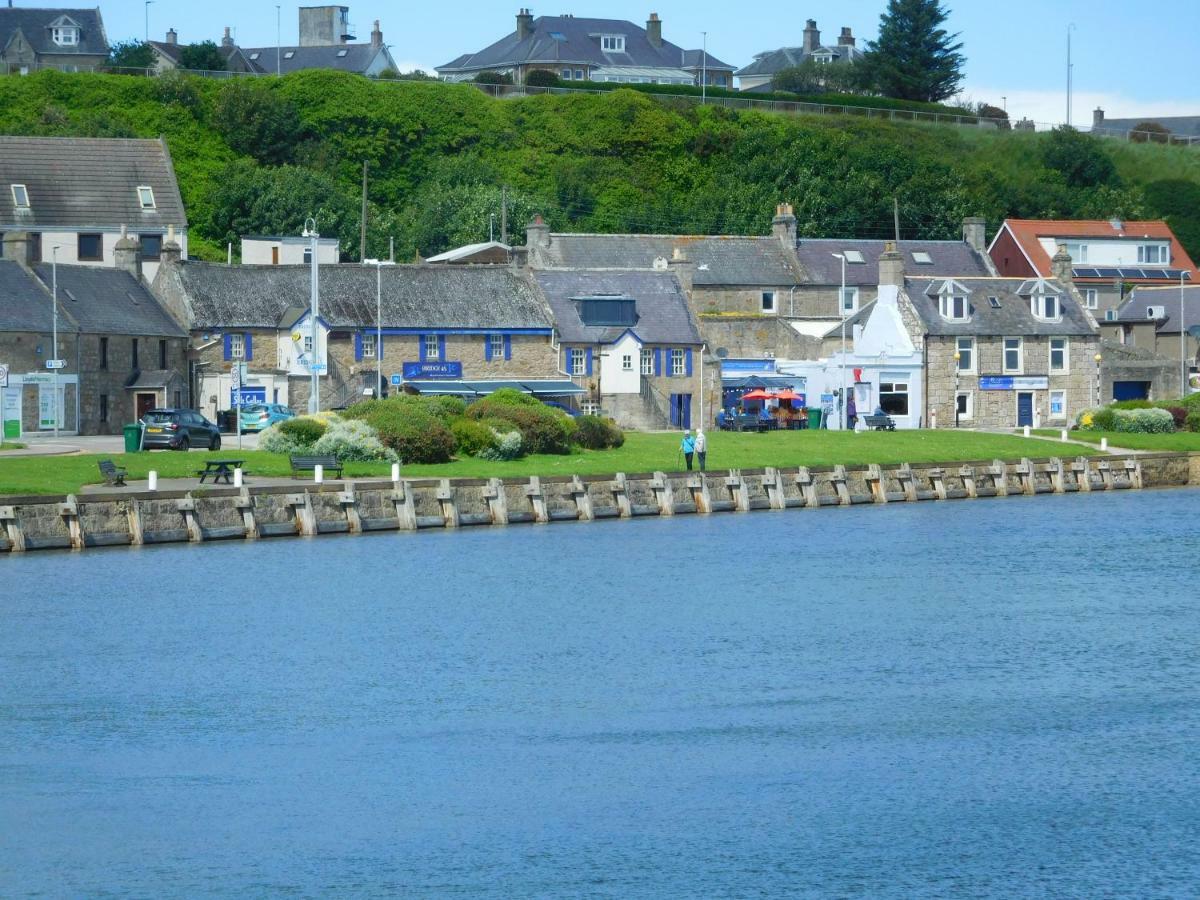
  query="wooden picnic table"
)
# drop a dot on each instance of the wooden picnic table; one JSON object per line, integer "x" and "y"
{"x": 218, "y": 469}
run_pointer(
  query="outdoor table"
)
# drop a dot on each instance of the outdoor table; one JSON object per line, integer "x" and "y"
{"x": 220, "y": 468}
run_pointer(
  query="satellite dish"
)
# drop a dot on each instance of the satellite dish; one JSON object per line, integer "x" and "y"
{"x": 722, "y": 353}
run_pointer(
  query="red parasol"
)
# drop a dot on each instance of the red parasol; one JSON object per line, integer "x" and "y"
{"x": 758, "y": 394}
{"x": 789, "y": 394}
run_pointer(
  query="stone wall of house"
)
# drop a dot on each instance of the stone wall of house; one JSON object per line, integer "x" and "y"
{"x": 755, "y": 336}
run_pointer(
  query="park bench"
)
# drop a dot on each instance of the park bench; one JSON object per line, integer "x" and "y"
{"x": 306, "y": 464}
{"x": 880, "y": 423}
{"x": 113, "y": 474}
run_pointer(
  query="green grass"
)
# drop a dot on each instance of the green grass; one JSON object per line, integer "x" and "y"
{"x": 11, "y": 445}
{"x": 1178, "y": 441}
{"x": 641, "y": 453}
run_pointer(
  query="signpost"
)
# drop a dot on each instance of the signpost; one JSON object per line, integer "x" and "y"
{"x": 397, "y": 379}
{"x": 236, "y": 373}
{"x": 4, "y": 375}
{"x": 56, "y": 364}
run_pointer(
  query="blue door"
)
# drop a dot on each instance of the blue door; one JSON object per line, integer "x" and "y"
{"x": 681, "y": 410}
{"x": 1024, "y": 408}
{"x": 1131, "y": 390}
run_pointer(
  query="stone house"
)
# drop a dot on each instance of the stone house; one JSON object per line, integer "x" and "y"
{"x": 629, "y": 338}
{"x": 75, "y": 197}
{"x": 1181, "y": 129}
{"x": 122, "y": 352}
{"x": 1163, "y": 323}
{"x": 71, "y": 40}
{"x": 760, "y": 74}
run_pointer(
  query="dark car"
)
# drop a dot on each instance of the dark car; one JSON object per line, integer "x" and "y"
{"x": 179, "y": 429}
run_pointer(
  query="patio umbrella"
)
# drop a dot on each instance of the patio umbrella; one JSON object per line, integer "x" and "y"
{"x": 788, "y": 394}
{"x": 758, "y": 394}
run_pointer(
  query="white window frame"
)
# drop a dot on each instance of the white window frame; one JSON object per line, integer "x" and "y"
{"x": 145, "y": 196}
{"x": 647, "y": 361}
{"x": 432, "y": 348}
{"x": 946, "y": 303}
{"x": 1161, "y": 255}
{"x": 1019, "y": 349}
{"x": 237, "y": 346}
{"x": 1078, "y": 252}
{"x": 968, "y": 411}
{"x": 627, "y": 362}
{"x": 1091, "y": 298}
{"x": 308, "y": 343}
{"x": 20, "y": 195}
{"x": 578, "y": 361}
{"x": 850, "y": 294}
{"x": 678, "y": 368}
{"x": 893, "y": 383}
{"x": 368, "y": 345}
{"x": 767, "y": 302}
{"x": 965, "y": 348}
{"x": 612, "y": 43}
{"x": 854, "y": 257}
{"x": 1050, "y": 405}
{"x": 65, "y": 36}
{"x": 1038, "y": 302}
{"x": 496, "y": 343}
{"x": 1066, "y": 355}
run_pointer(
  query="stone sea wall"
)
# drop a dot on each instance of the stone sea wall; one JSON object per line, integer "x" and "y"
{"x": 210, "y": 514}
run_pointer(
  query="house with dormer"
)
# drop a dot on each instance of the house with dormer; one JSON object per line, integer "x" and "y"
{"x": 71, "y": 40}
{"x": 760, "y": 74}
{"x": 584, "y": 49}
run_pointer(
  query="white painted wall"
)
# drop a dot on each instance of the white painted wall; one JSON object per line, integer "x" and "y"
{"x": 290, "y": 350}
{"x": 215, "y": 390}
{"x": 613, "y": 378}
{"x": 1101, "y": 252}
{"x": 67, "y": 243}
{"x": 258, "y": 251}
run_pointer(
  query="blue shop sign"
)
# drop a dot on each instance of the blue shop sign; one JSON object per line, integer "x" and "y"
{"x": 249, "y": 395}
{"x": 1014, "y": 382}
{"x": 414, "y": 370}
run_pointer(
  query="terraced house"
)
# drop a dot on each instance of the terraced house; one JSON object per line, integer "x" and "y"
{"x": 71, "y": 40}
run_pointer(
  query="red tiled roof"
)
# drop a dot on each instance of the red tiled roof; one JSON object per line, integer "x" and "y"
{"x": 1026, "y": 233}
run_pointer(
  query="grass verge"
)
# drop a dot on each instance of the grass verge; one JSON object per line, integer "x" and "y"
{"x": 641, "y": 453}
{"x": 1178, "y": 441}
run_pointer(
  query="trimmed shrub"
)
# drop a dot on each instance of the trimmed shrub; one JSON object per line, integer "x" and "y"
{"x": 304, "y": 430}
{"x": 542, "y": 78}
{"x": 543, "y": 428}
{"x": 273, "y": 440}
{"x": 1193, "y": 421}
{"x": 596, "y": 433}
{"x": 471, "y": 438}
{"x": 1131, "y": 404}
{"x": 1143, "y": 421}
{"x": 503, "y": 397}
{"x": 353, "y": 440}
{"x": 444, "y": 407}
{"x": 507, "y": 446}
{"x": 1179, "y": 414}
{"x": 408, "y": 428}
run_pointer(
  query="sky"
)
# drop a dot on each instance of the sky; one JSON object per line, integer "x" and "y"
{"x": 1129, "y": 61}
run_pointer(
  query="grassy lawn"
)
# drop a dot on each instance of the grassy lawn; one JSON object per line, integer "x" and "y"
{"x": 641, "y": 453}
{"x": 1176, "y": 441}
{"x": 11, "y": 445}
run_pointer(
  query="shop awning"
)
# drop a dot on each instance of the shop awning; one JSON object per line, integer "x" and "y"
{"x": 472, "y": 389}
{"x": 769, "y": 382}
{"x": 456, "y": 388}
{"x": 490, "y": 387}
{"x": 554, "y": 388}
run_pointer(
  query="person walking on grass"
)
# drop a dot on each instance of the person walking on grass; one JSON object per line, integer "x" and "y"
{"x": 688, "y": 447}
{"x": 701, "y": 445}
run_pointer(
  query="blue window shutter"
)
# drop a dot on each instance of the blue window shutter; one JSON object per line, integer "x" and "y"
{"x": 228, "y": 346}
{"x": 687, "y": 362}
{"x": 657, "y": 361}
{"x": 358, "y": 346}
{"x": 442, "y": 347}
{"x": 588, "y": 363}
{"x": 487, "y": 348}
{"x": 248, "y": 346}
{"x": 421, "y": 347}
{"x": 508, "y": 346}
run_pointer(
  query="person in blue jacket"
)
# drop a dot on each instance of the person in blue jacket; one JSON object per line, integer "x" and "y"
{"x": 688, "y": 447}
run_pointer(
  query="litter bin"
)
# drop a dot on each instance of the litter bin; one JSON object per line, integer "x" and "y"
{"x": 814, "y": 417}
{"x": 133, "y": 438}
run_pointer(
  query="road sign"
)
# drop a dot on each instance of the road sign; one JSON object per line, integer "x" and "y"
{"x": 397, "y": 379}
{"x": 317, "y": 367}
{"x": 237, "y": 374}
{"x": 4, "y": 375}
{"x": 56, "y": 364}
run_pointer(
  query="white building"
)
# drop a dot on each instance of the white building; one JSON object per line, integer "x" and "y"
{"x": 285, "y": 250}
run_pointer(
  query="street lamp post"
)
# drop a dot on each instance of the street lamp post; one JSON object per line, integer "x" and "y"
{"x": 1183, "y": 362}
{"x": 842, "y": 313}
{"x": 54, "y": 327}
{"x": 148, "y": 2}
{"x": 314, "y": 308}
{"x": 1097, "y": 359}
{"x": 957, "y": 358}
{"x": 378, "y": 264}
{"x": 703, "y": 67}
{"x": 1070, "y": 73}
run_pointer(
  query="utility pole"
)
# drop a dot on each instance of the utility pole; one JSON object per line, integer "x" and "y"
{"x": 54, "y": 352}
{"x": 314, "y": 312}
{"x": 896, "y": 217}
{"x": 278, "y": 41}
{"x": 504, "y": 214}
{"x": 362, "y": 240}
{"x": 148, "y": 2}
{"x": 703, "y": 68}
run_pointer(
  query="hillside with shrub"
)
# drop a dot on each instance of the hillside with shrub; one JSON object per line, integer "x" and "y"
{"x": 260, "y": 155}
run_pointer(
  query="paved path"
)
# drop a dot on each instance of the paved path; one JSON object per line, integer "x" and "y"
{"x": 111, "y": 444}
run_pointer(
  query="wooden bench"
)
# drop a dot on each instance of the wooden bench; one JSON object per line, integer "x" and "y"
{"x": 306, "y": 464}
{"x": 880, "y": 423}
{"x": 113, "y": 474}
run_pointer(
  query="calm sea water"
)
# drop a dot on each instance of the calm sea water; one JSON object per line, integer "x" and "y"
{"x": 987, "y": 699}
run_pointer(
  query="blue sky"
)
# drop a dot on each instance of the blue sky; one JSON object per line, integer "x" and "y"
{"x": 1129, "y": 59}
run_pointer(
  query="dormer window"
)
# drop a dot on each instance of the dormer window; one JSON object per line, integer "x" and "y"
{"x": 612, "y": 43}
{"x": 1045, "y": 306}
{"x": 921, "y": 258}
{"x": 65, "y": 35}
{"x": 952, "y": 307}
{"x": 146, "y": 196}
{"x": 20, "y": 196}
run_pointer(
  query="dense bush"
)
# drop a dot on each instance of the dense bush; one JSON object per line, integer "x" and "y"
{"x": 304, "y": 430}
{"x": 1179, "y": 416}
{"x": 352, "y": 440}
{"x": 543, "y": 428}
{"x": 273, "y": 440}
{"x": 471, "y": 438}
{"x": 444, "y": 407}
{"x": 508, "y": 446}
{"x": 1193, "y": 420}
{"x": 407, "y": 427}
{"x": 1143, "y": 421}
{"x": 1132, "y": 404}
{"x": 596, "y": 433}
{"x": 542, "y": 78}
{"x": 504, "y": 397}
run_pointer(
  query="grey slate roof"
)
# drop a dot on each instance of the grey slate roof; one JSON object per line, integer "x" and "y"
{"x": 81, "y": 182}
{"x": 1013, "y": 318}
{"x": 1134, "y": 307}
{"x": 35, "y": 25}
{"x": 662, "y": 309}
{"x": 24, "y": 305}
{"x": 719, "y": 260}
{"x": 1181, "y": 125}
{"x": 951, "y": 258}
{"x": 579, "y": 45}
{"x": 108, "y": 301}
{"x": 357, "y": 58}
{"x": 774, "y": 61}
{"x": 442, "y": 296}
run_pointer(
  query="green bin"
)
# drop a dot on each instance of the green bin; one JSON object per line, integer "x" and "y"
{"x": 133, "y": 438}
{"x": 814, "y": 417}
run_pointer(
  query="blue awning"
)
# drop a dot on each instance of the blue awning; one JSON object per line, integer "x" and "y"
{"x": 554, "y": 388}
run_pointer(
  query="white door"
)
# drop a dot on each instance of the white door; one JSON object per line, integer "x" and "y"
{"x": 10, "y": 413}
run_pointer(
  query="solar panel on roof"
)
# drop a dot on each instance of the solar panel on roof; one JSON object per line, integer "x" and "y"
{"x": 1108, "y": 273}
{"x": 1086, "y": 273}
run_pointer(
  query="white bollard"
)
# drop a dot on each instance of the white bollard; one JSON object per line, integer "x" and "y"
{"x": 153, "y": 485}
{"x": 318, "y": 474}
{"x": 237, "y": 477}
{"x": 1104, "y": 444}
{"x": 1064, "y": 435}
{"x": 395, "y": 471}
{"x": 1026, "y": 431}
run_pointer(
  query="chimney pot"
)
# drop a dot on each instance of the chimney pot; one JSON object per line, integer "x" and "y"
{"x": 783, "y": 226}
{"x": 654, "y": 30}
{"x": 846, "y": 39}
{"x": 524, "y": 24}
{"x": 376, "y": 36}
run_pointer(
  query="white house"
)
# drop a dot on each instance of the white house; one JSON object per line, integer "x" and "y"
{"x": 287, "y": 250}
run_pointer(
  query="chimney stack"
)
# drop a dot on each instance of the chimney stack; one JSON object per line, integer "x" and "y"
{"x": 846, "y": 39}
{"x": 891, "y": 266}
{"x": 1097, "y": 117}
{"x": 127, "y": 255}
{"x": 783, "y": 226}
{"x": 537, "y": 233}
{"x": 376, "y": 36}
{"x": 975, "y": 233}
{"x": 1060, "y": 266}
{"x": 227, "y": 39}
{"x": 171, "y": 251}
{"x": 16, "y": 247}
{"x": 812, "y": 37}
{"x": 654, "y": 30}
{"x": 524, "y": 24}
{"x": 172, "y": 37}
{"x": 684, "y": 269}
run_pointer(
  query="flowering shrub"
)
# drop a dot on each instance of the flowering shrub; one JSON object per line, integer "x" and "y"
{"x": 352, "y": 440}
{"x": 274, "y": 440}
{"x": 1144, "y": 421}
{"x": 471, "y": 438}
{"x": 304, "y": 430}
{"x": 508, "y": 446}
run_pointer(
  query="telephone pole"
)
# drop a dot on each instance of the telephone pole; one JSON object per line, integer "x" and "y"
{"x": 362, "y": 240}
{"x": 504, "y": 214}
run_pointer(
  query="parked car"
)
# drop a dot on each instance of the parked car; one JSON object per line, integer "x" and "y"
{"x": 258, "y": 416}
{"x": 178, "y": 429}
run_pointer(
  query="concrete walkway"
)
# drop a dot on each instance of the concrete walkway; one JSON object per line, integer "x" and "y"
{"x": 110, "y": 444}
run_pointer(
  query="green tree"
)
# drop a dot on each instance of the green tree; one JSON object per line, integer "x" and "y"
{"x": 1080, "y": 158}
{"x": 542, "y": 78}
{"x": 255, "y": 119}
{"x": 132, "y": 54}
{"x": 914, "y": 58}
{"x": 203, "y": 57}
{"x": 493, "y": 78}
{"x": 1178, "y": 201}
{"x": 1150, "y": 132}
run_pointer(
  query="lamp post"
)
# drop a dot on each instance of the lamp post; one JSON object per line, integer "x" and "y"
{"x": 1070, "y": 73}
{"x": 314, "y": 309}
{"x": 1183, "y": 365}
{"x": 957, "y": 359}
{"x": 148, "y": 2}
{"x": 378, "y": 264}
{"x": 54, "y": 327}
{"x": 842, "y": 313}
{"x": 278, "y": 42}
{"x": 703, "y": 67}
{"x": 1097, "y": 358}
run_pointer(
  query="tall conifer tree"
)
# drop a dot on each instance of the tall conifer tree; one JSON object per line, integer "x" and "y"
{"x": 914, "y": 57}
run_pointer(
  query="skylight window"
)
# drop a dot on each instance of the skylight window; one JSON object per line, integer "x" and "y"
{"x": 341, "y": 53}
{"x": 254, "y": 55}
{"x": 146, "y": 196}
{"x": 289, "y": 54}
{"x": 558, "y": 36}
{"x": 994, "y": 302}
{"x": 20, "y": 196}
{"x": 853, "y": 256}
{"x": 921, "y": 258}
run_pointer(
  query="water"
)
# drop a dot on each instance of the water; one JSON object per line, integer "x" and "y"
{"x": 976, "y": 699}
